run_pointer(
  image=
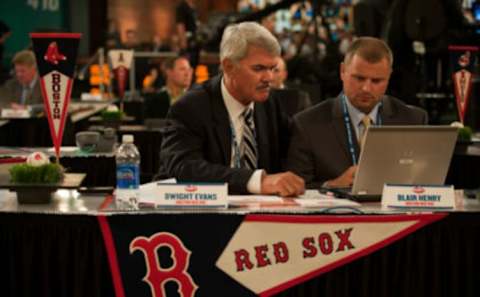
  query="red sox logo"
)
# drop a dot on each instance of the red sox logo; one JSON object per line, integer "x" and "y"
{"x": 53, "y": 55}
{"x": 191, "y": 188}
{"x": 464, "y": 59}
{"x": 157, "y": 277}
{"x": 418, "y": 190}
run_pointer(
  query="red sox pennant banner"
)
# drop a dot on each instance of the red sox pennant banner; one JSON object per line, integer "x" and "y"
{"x": 56, "y": 54}
{"x": 204, "y": 254}
{"x": 293, "y": 249}
{"x": 462, "y": 61}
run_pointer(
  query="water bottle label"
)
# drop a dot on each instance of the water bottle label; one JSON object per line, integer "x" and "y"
{"x": 128, "y": 176}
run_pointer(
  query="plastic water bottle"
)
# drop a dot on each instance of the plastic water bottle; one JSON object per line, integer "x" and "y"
{"x": 127, "y": 158}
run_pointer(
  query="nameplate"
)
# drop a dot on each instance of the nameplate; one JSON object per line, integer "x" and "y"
{"x": 188, "y": 195}
{"x": 418, "y": 196}
{"x": 9, "y": 113}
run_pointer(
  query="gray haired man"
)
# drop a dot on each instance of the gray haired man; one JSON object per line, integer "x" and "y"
{"x": 226, "y": 130}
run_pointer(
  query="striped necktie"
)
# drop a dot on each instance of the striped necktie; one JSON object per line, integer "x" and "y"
{"x": 249, "y": 145}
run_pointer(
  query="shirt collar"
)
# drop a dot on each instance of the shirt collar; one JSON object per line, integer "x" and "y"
{"x": 172, "y": 98}
{"x": 356, "y": 115}
{"x": 234, "y": 107}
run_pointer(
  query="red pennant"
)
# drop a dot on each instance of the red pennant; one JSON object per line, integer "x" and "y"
{"x": 462, "y": 61}
{"x": 121, "y": 74}
{"x": 56, "y": 55}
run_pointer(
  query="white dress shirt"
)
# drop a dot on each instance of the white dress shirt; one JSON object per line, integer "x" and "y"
{"x": 235, "y": 110}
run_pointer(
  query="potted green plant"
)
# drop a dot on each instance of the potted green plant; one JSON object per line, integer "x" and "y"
{"x": 36, "y": 179}
{"x": 464, "y": 132}
{"x": 112, "y": 116}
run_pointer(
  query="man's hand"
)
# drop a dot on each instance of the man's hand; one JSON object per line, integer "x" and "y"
{"x": 285, "y": 184}
{"x": 345, "y": 179}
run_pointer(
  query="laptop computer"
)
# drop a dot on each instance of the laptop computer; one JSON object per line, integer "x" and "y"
{"x": 401, "y": 155}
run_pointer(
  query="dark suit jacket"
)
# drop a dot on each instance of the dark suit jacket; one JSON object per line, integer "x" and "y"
{"x": 197, "y": 146}
{"x": 319, "y": 147}
{"x": 156, "y": 104}
{"x": 291, "y": 101}
{"x": 11, "y": 91}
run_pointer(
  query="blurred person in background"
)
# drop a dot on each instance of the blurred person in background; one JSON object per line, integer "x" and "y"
{"x": 291, "y": 99}
{"x": 131, "y": 40}
{"x": 112, "y": 36}
{"x": 178, "y": 76}
{"x": 280, "y": 74}
{"x": 186, "y": 30}
{"x": 24, "y": 88}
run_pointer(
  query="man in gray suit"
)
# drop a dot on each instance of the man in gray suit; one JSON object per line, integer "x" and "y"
{"x": 24, "y": 88}
{"x": 326, "y": 138}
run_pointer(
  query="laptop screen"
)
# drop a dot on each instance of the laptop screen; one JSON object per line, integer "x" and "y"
{"x": 404, "y": 155}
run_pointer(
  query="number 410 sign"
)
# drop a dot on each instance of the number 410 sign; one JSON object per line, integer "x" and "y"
{"x": 44, "y": 5}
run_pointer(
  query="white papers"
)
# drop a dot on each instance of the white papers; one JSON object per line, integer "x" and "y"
{"x": 315, "y": 194}
{"x": 311, "y": 198}
{"x": 253, "y": 199}
{"x": 328, "y": 202}
{"x": 149, "y": 191}
{"x": 10, "y": 113}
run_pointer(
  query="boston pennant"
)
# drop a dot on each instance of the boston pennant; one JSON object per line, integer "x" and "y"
{"x": 462, "y": 62}
{"x": 56, "y": 54}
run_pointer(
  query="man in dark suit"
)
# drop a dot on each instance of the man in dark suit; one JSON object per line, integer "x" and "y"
{"x": 326, "y": 138}
{"x": 226, "y": 130}
{"x": 178, "y": 73}
{"x": 24, "y": 88}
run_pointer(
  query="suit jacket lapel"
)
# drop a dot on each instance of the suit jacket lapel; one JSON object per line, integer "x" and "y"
{"x": 338, "y": 125}
{"x": 387, "y": 112}
{"x": 221, "y": 120}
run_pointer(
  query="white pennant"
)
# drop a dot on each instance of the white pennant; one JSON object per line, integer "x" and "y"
{"x": 121, "y": 58}
{"x": 268, "y": 254}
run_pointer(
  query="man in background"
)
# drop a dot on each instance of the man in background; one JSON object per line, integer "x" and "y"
{"x": 24, "y": 88}
{"x": 326, "y": 138}
{"x": 186, "y": 22}
{"x": 186, "y": 30}
{"x": 178, "y": 74}
{"x": 226, "y": 129}
{"x": 291, "y": 99}
{"x": 131, "y": 40}
{"x": 280, "y": 74}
